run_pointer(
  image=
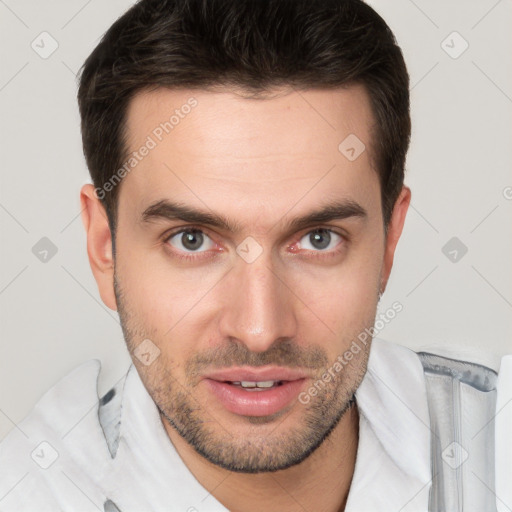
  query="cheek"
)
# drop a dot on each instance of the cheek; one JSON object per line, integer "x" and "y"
{"x": 345, "y": 303}
{"x": 168, "y": 303}
{"x": 157, "y": 286}
{"x": 343, "y": 297}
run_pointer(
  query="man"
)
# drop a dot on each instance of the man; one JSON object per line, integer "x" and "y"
{"x": 247, "y": 160}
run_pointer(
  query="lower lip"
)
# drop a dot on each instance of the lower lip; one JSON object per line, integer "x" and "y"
{"x": 255, "y": 403}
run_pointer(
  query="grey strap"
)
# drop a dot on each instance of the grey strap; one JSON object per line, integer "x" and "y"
{"x": 110, "y": 506}
{"x": 109, "y": 414}
{"x": 462, "y": 403}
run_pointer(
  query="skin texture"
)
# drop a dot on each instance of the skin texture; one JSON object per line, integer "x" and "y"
{"x": 260, "y": 163}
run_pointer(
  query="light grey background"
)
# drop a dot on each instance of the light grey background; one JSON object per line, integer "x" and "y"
{"x": 459, "y": 169}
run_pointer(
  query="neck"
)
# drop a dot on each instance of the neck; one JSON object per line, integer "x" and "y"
{"x": 321, "y": 482}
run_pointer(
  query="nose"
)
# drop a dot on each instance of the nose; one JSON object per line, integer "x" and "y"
{"x": 257, "y": 306}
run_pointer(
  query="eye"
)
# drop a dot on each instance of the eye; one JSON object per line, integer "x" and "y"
{"x": 191, "y": 240}
{"x": 320, "y": 240}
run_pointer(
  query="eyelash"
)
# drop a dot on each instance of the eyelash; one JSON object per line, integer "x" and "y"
{"x": 186, "y": 256}
{"x": 193, "y": 256}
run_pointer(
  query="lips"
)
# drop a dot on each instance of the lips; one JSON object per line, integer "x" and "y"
{"x": 257, "y": 374}
{"x": 255, "y": 391}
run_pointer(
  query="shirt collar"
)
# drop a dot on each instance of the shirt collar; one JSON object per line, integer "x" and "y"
{"x": 393, "y": 470}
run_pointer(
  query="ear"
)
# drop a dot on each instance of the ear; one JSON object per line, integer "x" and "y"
{"x": 396, "y": 224}
{"x": 99, "y": 244}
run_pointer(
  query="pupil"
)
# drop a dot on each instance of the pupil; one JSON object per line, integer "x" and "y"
{"x": 320, "y": 238}
{"x": 192, "y": 240}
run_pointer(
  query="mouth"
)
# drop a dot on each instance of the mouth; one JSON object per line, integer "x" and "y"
{"x": 255, "y": 392}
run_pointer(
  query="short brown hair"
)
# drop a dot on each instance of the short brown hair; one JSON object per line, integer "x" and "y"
{"x": 255, "y": 45}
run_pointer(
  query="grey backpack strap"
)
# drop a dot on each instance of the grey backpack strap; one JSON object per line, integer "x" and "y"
{"x": 462, "y": 404}
{"x": 109, "y": 414}
{"x": 110, "y": 506}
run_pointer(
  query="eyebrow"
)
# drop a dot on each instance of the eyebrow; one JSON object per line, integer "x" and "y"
{"x": 169, "y": 210}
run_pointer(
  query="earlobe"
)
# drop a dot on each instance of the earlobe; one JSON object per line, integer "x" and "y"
{"x": 99, "y": 244}
{"x": 395, "y": 228}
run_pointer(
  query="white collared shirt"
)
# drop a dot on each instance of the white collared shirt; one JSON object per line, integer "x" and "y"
{"x": 57, "y": 458}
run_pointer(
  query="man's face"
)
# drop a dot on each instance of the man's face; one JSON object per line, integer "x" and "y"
{"x": 259, "y": 299}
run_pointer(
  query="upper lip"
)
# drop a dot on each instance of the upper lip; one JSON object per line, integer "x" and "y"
{"x": 248, "y": 374}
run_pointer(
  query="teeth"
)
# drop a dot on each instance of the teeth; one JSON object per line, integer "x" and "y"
{"x": 261, "y": 384}
{"x": 266, "y": 383}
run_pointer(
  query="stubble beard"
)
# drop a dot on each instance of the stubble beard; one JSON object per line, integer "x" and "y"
{"x": 267, "y": 446}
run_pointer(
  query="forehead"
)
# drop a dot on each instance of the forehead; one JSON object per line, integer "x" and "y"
{"x": 224, "y": 150}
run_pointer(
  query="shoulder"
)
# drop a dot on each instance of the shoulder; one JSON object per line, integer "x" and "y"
{"x": 385, "y": 355}
{"x": 467, "y": 418}
{"x": 48, "y": 447}
{"x": 503, "y": 420}
{"x": 394, "y": 362}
